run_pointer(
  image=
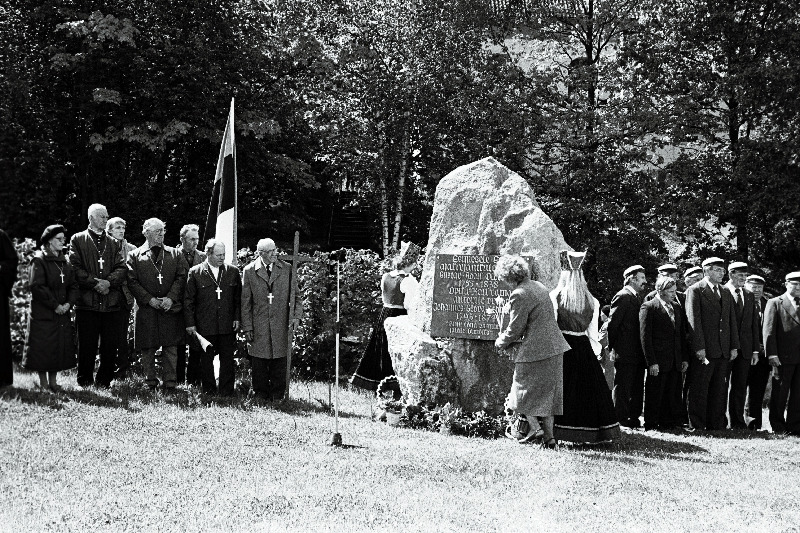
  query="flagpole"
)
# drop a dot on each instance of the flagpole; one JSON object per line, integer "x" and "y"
{"x": 235, "y": 192}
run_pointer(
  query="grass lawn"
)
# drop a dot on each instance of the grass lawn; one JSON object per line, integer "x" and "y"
{"x": 129, "y": 460}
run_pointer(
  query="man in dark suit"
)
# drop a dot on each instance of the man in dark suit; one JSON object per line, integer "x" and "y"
{"x": 667, "y": 355}
{"x": 212, "y": 308}
{"x": 691, "y": 276}
{"x": 190, "y": 238}
{"x": 782, "y": 346}
{"x": 624, "y": 340}
{"x": 157, "y": 279}
{"x": 748, "y": 326}
{"x": 714, "y": 341}
{"x": 8, "y": 275}
{"x": 667, "y": 270}
{"x": 759, "y": 373}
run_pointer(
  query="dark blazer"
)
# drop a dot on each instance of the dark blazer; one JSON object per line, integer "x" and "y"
{"x": 199, "y": 256}
{"x": 623, "y": 328}
{"x": 202, "y": 309}
{"x": 712, "y": 321}
{"x": 782, "y": 330}
{"x": 663, "y": 342}
{"x": 532, "y": 324}
{"x": 84, "y": 257}
{"x": 748, "y": 324}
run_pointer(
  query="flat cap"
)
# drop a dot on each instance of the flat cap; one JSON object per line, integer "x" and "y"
{"x": 755, "y": 278}
{"x": 793, "y": 276}
{"x": 714, "y": 261}
{"x": 631, "y": 270}
{"x": 692, "y": 271}
{"x": 667, "y": 268}
{"x": 737, "y": 265}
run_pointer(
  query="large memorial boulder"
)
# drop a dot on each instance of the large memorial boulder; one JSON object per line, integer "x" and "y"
{"x": 480, "y": 209}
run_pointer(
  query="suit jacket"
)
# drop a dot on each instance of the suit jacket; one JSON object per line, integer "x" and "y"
{"x": 663, "y": 342}
{"x": 156, "y": 327}
{"x": 748, "y": 324}
{"x": 199, "y": 256}
{"x": 269, "y": 321}
{"x": 782, "y": 330}
{"x": 84, "y": 258}
{"x": 532, "y": 324}
{"x": 623, "y": 328}
{"x": 712, "y": 320}
{"x": 201, "y": 307}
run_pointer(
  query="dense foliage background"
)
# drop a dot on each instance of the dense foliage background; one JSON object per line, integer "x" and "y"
{"x": 650, "y": 130}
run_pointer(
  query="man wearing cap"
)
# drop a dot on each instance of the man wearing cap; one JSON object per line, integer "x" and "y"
{"x": 624, "y": 340}
{"x": 667, "y": 270}
{"x": 748, "y": 326}
{"x": 782, "y": 347}
{"x": 759, "y": 373}
{"x": 714, "y": 341}
{"x": 690, "y": 277}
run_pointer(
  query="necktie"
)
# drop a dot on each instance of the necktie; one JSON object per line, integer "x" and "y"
{"x": 670, "y": 311}
{"x": 219, "y": 274}
{"x": 716, "y": 292}
{"x": 739, "y": 300}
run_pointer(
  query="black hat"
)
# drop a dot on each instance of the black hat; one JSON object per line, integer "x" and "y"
{"x": 52, "y": 231}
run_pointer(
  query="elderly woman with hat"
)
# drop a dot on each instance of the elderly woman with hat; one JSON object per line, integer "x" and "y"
{"x": 49, "y": 344}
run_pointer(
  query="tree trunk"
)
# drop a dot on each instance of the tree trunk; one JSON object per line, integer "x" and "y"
{"x": 384, "y": 215}
{"x": 401, "y": 185}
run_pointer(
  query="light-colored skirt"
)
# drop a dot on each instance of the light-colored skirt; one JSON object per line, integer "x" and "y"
{"x": 538, "y": 387}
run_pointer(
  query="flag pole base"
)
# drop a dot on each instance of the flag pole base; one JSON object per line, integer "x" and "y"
{"x": 336, "y": 440}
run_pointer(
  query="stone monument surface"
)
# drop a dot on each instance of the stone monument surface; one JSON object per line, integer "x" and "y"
{"x": 480, "y": 209}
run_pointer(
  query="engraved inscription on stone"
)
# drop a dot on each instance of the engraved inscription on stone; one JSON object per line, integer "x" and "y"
{"x": 465, "y": 297}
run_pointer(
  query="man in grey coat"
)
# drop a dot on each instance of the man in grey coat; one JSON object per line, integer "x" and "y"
{"x": 266, "y": 314}
{"x": 191, "y": 372}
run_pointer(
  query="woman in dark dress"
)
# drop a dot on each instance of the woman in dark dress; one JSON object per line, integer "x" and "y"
{"x": 398, "y": 290}
{"x": 49, "y": 344}
{"x": 588, "y": 414}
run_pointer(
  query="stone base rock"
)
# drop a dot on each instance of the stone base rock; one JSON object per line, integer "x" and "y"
{"x": 481, "y": 208}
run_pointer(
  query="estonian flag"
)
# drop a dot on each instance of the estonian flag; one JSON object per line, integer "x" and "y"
{"x": 221, "y": 222}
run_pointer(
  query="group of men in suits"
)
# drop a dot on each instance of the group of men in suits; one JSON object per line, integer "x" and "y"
{"x": 689, "y": 359}
{"x": 182, "y": 295}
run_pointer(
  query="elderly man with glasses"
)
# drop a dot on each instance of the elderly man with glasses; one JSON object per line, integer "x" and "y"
{"x": 266, "y": 314}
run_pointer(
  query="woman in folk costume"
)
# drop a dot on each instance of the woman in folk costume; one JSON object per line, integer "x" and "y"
{"x": 398, "y": 291}
{"x": 49, "y": 343}
{"x": 589, "y": 414}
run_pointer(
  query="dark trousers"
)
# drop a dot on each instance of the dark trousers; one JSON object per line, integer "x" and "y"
{"x": 757, "y": 387}
{"x": 94, "y": 326}
{"x": 708, "y": 393}
{"x": 224, "y": 346}
{"x": 269, "y": 378}
{"x": 785, "y": 398}
{"x": 685, "y": 397}
{"x": 123, "y": 361}
{"x": 6, "y": 366}
{"x": 662, "y": 399}
{"x": 738, "y": 371}
{"x": 628, "y": 392}
{"x": 191, "y": 373}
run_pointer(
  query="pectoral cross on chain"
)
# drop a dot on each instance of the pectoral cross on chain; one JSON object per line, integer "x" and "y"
{"x": 271, "y": 297}
{"x": 101, "y": 261}
{"x": 160, "y": 278}
{"x": 219, "y": 292}
{"x": 62, "y": 277}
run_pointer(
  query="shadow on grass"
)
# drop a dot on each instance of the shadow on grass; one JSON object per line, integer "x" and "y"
{"x": 57, "y": 400}
{"x": 638, "y": 447}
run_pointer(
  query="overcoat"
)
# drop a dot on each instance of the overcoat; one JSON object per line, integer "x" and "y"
{"x": 533, "y": 324}
{"x": 156, "y": 327}
{"x": 269, "y": 322}
{"x": 663, "y": 342}
{"x": 201, "y": 307}
{"x": 782, "y": 330}
{"x": 49, "y": 343}
{"x": 85, "y": 258}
